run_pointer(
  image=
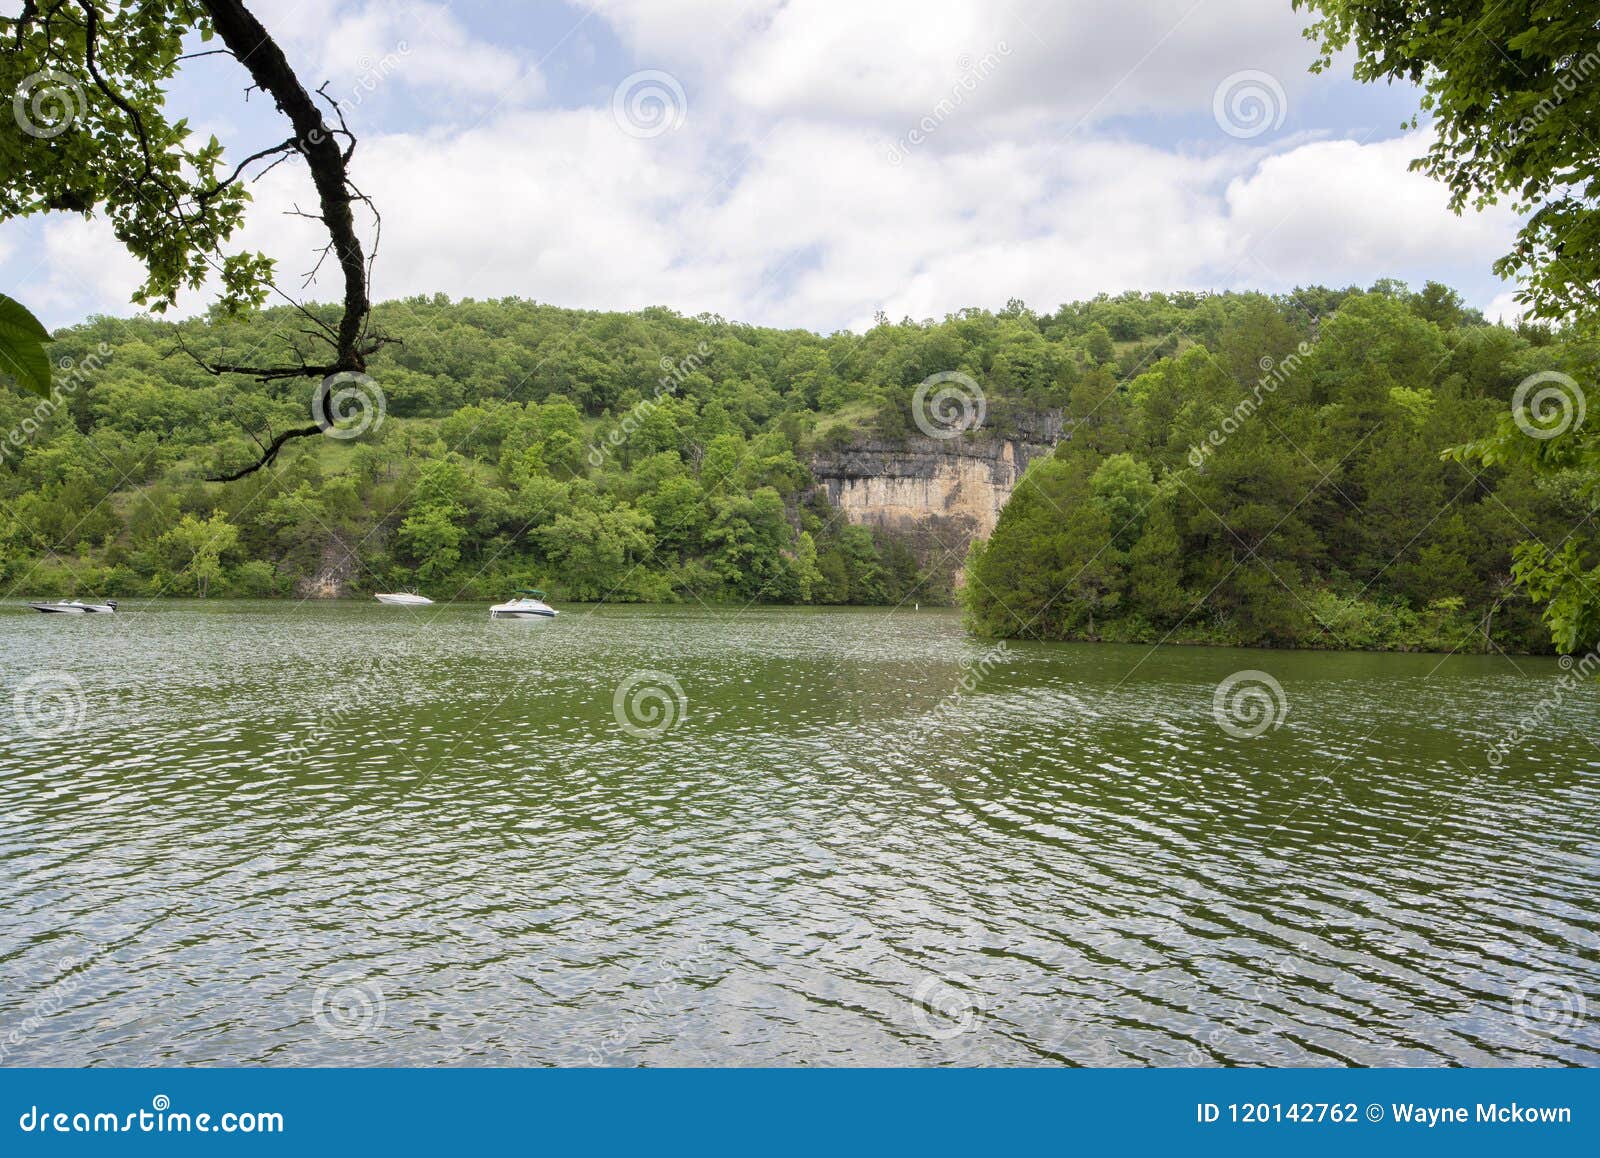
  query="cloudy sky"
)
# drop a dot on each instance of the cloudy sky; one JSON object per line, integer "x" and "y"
{"x": 810, "y": 162}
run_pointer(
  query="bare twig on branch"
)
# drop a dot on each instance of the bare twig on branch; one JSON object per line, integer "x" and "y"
{"x": 316, "y": 141}
{"x": 207, "y": 52}
{"x": 270, "y": 453}
{"x": 278, "y": 150}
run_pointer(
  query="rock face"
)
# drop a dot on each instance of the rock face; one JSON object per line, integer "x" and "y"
{"x": 332, "y": 579}
{"x": 938, "y": 494}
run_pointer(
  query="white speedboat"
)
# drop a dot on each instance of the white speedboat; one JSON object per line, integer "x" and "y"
{"x": 404, "y": 599}
{"x": 74, "y": 607}
{"x": 529, "y": 604}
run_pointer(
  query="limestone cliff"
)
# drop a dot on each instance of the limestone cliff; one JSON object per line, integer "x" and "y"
{"x": 939, "y": 494}
{"x": 333, "y": 577}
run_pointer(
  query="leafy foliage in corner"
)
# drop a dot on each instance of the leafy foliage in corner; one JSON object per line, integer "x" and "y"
{"x": 22, "y": 342}
{"x": 1510, "y": 86}
{"x": 91, "y": 134}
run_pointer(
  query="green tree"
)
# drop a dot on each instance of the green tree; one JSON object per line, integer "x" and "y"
{"x": 92, "y": 135}
{"x": 807, "y": 575}
{"x": 431, "y": 537}
{"x": 1124, "y": 487}
{"x": 1507, "y": 85}
{"x": 195, "y": 549}
{"x": 596, "y": 551}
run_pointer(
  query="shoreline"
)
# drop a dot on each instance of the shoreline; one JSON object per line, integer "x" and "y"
{"x": 135, "y": 603}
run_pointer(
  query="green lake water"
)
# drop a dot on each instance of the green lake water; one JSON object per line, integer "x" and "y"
{"x": 344, "y": 834}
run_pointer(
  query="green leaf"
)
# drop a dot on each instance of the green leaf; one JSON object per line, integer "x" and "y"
{"x": 14, "y": 313}
{"x": 22, "y": 342}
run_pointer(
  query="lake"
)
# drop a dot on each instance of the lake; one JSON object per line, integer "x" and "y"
{"x": 345, "y": 834}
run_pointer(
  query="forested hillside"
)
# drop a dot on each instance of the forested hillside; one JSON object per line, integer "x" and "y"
{"x": 650, "y": 456}
{"x": 623, "y": 456}
{"x": 1284, "y": 485}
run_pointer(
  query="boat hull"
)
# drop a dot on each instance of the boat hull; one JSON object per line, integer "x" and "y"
{"x": 403, "y": 600}
{"x": 527, "y": 605}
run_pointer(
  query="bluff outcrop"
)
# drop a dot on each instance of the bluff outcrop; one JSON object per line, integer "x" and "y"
{"x": 937, "y": 494}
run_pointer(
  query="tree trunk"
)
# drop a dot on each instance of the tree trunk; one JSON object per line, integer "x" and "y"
{"x": 254, "y": 47}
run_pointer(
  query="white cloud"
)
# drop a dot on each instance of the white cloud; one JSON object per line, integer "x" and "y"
{"x": 776, "y": 200}
{"x": 361, "y": 48}
{"x": 425, "y": 46}
{"x": 890, "y": 61}
{"x": 80, "y": 268}
{"x": 817, "y": 229}
{"x": 1506, "y": 309}
{"x": 1347, "y": 209}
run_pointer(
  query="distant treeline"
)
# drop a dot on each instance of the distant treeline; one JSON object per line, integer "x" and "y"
{"x": 649, "y": 456}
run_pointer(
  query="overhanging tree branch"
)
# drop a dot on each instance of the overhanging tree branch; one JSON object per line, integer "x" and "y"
{"x": 270, "y": 453}
{"x": 315, "y": 140}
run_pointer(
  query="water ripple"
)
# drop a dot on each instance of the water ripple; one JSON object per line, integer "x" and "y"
{"x": 341, "y": 835}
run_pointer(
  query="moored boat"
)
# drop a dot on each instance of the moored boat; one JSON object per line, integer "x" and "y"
{"x": 74, "y": 607}
{"x": 529, "y": 604}
{"x": 403, "y": 599}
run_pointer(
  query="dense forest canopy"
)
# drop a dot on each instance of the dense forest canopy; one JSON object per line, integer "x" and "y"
{"x": 1238, "y": 467}
{"x": 1507, "y": 87}
{"x": 1284, "y": 485}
